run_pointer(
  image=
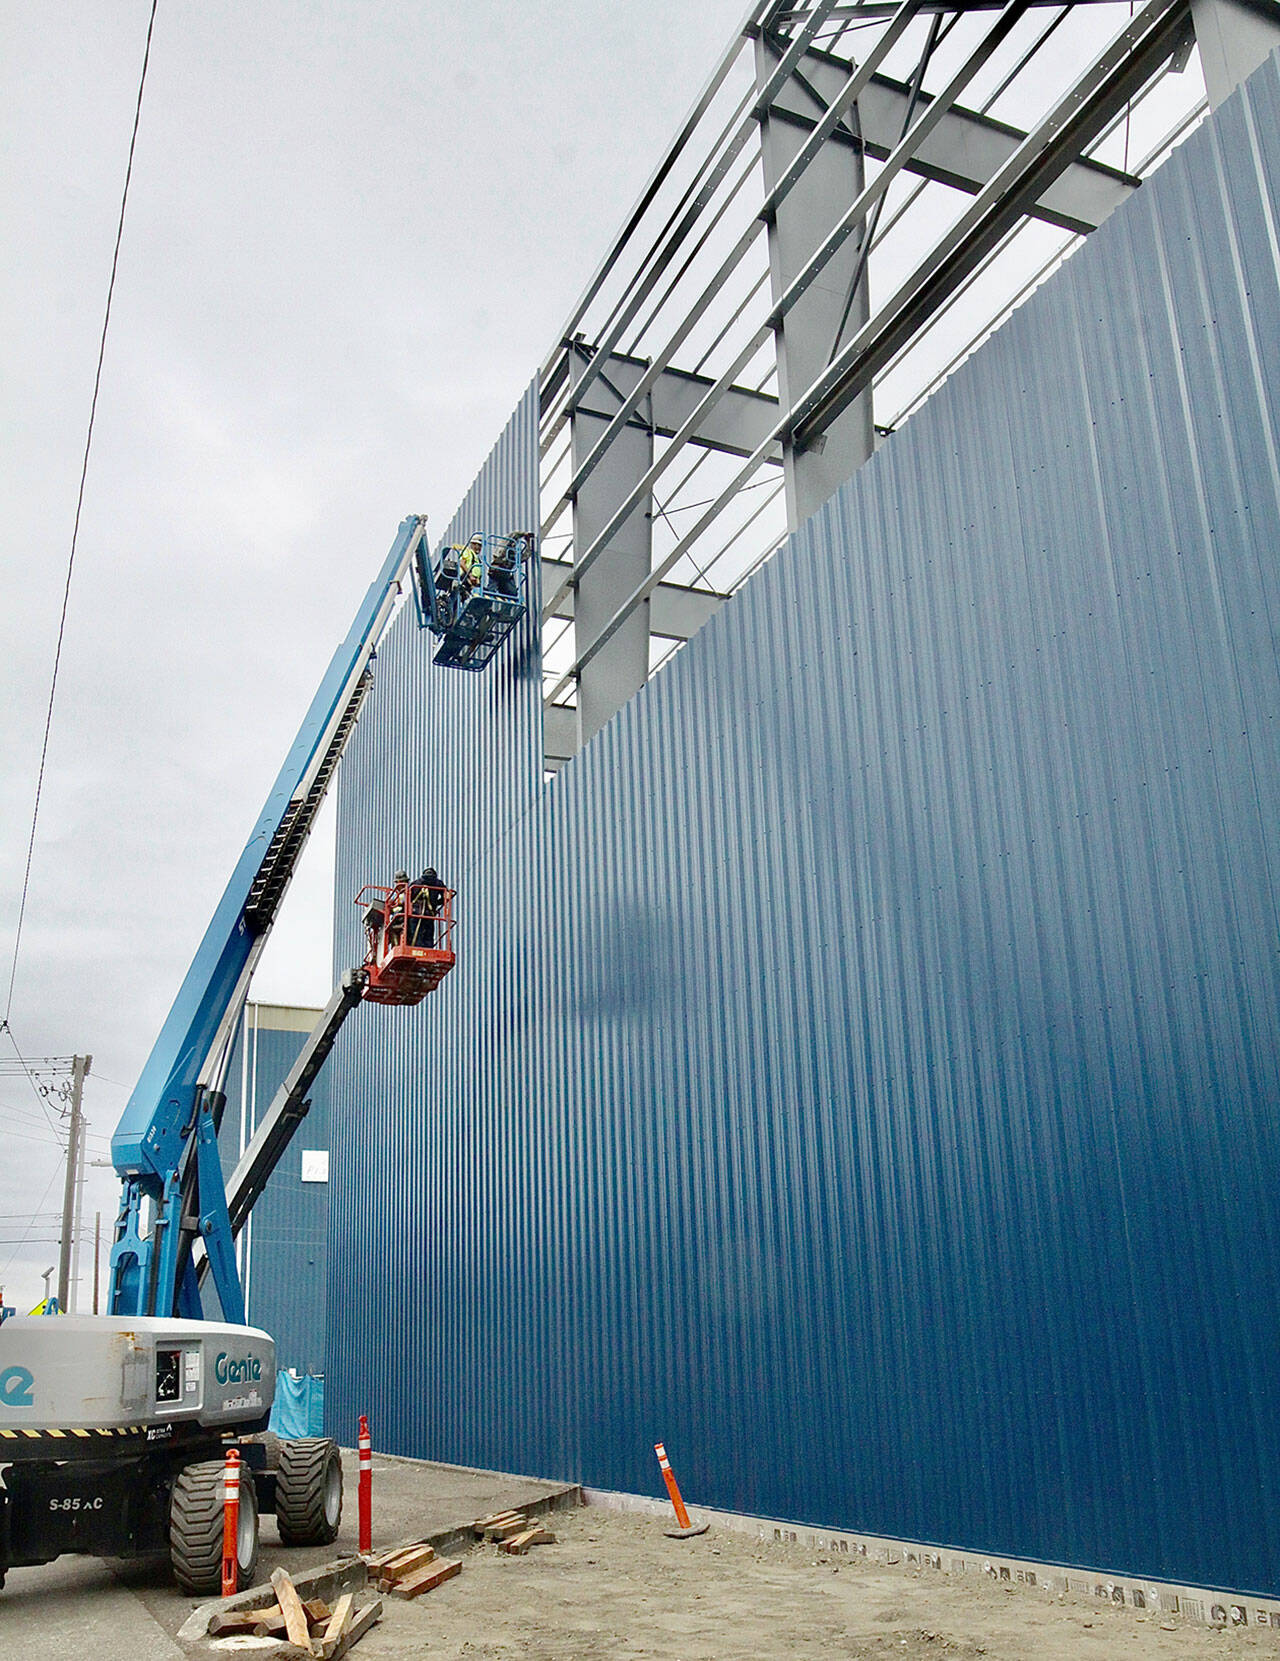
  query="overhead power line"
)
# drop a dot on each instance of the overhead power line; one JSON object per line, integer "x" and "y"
{"x": 41, "y": 1091}
{"x": 75, "y": 530}
{"x": 26, "y": 1233}
{"x": 47, "y": 1139}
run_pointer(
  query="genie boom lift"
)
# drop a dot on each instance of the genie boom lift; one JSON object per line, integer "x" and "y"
{"x": 114, "y": 1429}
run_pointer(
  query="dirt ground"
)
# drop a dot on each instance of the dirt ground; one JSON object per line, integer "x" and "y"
{"x": 614, "y": 1588}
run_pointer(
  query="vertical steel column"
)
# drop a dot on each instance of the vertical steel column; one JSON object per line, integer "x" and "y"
{"x": 807, "y": 339}
{"x": 1233, "y": 38}
{"x": 621, "y": 668}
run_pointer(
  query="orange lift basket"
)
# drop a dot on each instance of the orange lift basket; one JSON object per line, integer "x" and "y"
{"x": 409, "y": 931}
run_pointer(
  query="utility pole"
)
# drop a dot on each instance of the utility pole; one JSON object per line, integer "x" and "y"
{"x": 79, "y": 1069}
{"x": 97, "y": 1253}
{"x": 73, "y": 1285}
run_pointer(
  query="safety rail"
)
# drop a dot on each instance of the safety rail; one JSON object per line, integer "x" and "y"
{"x": 472, "y": 595}
{"x": 409, "y": 940}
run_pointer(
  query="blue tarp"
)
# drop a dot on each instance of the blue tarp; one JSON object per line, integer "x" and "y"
{"x": 298, "y": 1409}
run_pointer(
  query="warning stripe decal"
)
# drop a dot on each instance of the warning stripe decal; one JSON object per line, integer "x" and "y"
{"x": 24, "y": 1432}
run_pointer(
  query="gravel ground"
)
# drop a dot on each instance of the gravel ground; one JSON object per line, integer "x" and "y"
{"x": 614, "y": 1588}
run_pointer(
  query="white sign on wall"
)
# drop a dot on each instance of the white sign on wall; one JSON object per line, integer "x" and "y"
{"x": 315, "y": 1164}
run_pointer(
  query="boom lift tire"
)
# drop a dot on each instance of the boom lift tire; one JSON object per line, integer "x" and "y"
{"x": 309, "y": 1491}
{"x": 271, "y": 1443}
{"x": 195, "y": 1528}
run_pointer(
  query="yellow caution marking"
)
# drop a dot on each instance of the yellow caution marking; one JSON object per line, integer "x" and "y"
{"x": 32, "y": 1434}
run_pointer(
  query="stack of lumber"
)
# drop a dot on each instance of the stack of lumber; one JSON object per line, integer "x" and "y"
{"x": 311, "y": 1628}
{"x": 513, "y": 1532}
{"x": 408, "y": 1571}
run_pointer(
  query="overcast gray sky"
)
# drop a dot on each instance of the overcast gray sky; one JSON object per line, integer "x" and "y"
{"x": 353, "y": 231}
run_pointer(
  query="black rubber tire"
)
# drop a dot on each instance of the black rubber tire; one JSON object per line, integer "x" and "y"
{"x": 309, "y": 1491}
{"x": 271, "y": 1442}
{"x": 195, "y": 1528}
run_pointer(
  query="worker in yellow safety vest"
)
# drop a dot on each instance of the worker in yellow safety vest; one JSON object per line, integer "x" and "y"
{"x": 469, "y": 566}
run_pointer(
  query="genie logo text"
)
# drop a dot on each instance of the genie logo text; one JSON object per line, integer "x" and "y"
{"x": 15, "y": 1387}
{"x": 231, "y": 1369}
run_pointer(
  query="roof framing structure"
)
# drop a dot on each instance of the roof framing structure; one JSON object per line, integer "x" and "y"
{"x": 860, "y": 194}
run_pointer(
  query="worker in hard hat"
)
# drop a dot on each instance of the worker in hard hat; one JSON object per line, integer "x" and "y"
{"x": 502, "y": 566}
{"x": 470, "y": 562}
{"x": 397, "y": 907}
{"x": 426, "y": 902}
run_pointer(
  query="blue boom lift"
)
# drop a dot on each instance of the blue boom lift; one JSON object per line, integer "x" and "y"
{"x": 472, "y": 595}
{"x": 112, "y": 1428}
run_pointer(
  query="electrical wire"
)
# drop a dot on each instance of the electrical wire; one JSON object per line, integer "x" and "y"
{"x": 41, "y": 1091}
{"x": 25, "y": 1240}
{"x": 75, "y": 531}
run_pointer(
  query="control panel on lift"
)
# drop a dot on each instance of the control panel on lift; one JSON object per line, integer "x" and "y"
{"x": 471, "y": 595}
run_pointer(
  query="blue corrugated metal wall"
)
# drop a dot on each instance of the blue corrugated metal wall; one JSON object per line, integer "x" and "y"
{"x": 865, "y": 1065}
{"x": 285, "y": 1275}
{"x": 442, "y": 764}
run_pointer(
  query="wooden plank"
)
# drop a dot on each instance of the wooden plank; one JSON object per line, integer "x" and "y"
{"x": 504, "y": 1531}
{"x": 427, "y": 1579}
{"x": 270, "y": 1623}
{"x": 241, "y": 1620}
{"x": 360, "y": 1624}
{"x": 520, "y": 1543}
{"x": 375, "y": 1559}
{"x": 318, "y": 1611}
{"x": 339, "y": 1621}
{"x": 295, "y": 1616}
{"x": 482, "y": 1523}
{"x": 405, "y": 1562}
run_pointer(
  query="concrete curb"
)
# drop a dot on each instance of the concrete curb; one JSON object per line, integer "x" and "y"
{"x": 462, "y": 1537}
{"x": 330, "y": 1581}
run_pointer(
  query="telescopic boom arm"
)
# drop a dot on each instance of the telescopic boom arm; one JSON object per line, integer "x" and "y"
{"x": 166, "y": 1145}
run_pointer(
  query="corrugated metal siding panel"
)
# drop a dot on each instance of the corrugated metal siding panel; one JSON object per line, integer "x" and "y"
{"x": 877, "y": 1096}
{"x": 285, "y": 1286}
{"x": 441, "y": 766}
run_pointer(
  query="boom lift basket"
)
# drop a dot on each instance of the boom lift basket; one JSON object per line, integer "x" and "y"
{"x": 409, "y": 934}
{"x": 472, "y": 596}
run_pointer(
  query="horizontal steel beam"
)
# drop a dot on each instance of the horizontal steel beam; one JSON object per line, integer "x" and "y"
{"x": 675, "y": 611}
{"x": 966, "y": 150}
{"x": 735, "y": 425}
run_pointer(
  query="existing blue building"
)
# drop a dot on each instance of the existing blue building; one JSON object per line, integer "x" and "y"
{"x": 282, "y": 1249}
